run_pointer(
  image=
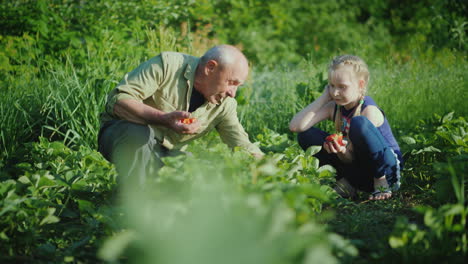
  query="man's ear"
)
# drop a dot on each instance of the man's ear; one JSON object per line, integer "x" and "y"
{"x": 210, "y": 66}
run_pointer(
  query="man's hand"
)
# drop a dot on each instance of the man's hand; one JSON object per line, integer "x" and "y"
{"x": 137, "y": 112}
{"x": 173, "y": 120}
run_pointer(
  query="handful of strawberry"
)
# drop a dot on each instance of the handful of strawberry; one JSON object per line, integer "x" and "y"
{"x": 338, "y": 137}
{"x": 187, "y": 120}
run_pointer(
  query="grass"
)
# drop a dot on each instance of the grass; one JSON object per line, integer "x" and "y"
{"x": 61, "y": 96}
{"x": 369, "y": 224}
{"x": 433, "y": 83}
{"x": 407, "y": 92}
{"x": 64, "y": 96}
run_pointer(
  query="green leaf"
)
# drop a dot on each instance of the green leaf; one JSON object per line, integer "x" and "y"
{"x": 23, "y": 166}
{"x": 24, "y": 180}
{"x": 425, "y": 150}
{"x": 396, "y": 242}
{"x": 50, "y": 218}
{"x": 4, "y": 236}
{"x": 6, "y": 186}
{"x": 408, "y": 140}
{"x": 315, "y": 191}
{"x": 46, "y": 180}
{"x": 268, "y": 169}
{"x": 448, "y": 117}
{"x": 454, "y": 209}
{"x": 326, "y": 171}
{"x": 11, "y": 205}
{"x": 86, "y": 206}
{"x": 315, "y": 164}
{"x": 68, "y": 259}
{"x": 312, "y": 150}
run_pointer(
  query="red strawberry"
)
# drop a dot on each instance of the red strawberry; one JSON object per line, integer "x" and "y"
{"x": 337, "y": 137}
{"x": 187, "y": 120}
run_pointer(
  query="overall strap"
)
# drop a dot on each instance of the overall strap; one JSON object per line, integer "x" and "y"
{"x": 337, "y": 118}
{"x": 334, "y": 112}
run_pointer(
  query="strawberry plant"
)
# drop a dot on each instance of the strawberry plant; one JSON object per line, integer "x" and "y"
{"x": 235, "y": 207}
{"x": 54, "y": 203}
{"x": 444, "y": 227}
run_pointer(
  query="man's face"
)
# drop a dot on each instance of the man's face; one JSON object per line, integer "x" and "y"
{"x": 221, "y": 82}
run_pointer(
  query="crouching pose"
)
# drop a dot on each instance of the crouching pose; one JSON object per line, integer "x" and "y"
{"x": 168, "y": 101}
{"x": 368, "y": 158}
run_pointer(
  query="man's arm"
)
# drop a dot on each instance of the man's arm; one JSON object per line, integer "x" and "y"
{"x": 233, "y": 134}
{"x": 137, "y": 112}
{"x": 126, "y": 100}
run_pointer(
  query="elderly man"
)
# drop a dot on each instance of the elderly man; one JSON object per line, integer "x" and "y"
{"x": 143, "y": 119}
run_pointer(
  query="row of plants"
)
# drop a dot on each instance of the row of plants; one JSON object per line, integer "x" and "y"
{"x": 64, "y": 205}
{"x": 55, "y": 204}
{"x": 438, "y": 146}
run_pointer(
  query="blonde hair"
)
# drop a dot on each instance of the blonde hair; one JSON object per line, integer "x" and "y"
{"x": 361, "y": 71}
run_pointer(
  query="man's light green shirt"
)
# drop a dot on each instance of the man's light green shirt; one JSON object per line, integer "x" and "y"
{"x": 165, "y": 82}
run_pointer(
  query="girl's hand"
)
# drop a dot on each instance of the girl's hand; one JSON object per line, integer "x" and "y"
{"x": 326, "y": 94}
{"x": 335, "y": 147}
{"x": 344, "y": 152}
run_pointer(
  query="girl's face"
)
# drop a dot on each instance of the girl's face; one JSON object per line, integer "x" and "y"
{"x": 345, "y": 88}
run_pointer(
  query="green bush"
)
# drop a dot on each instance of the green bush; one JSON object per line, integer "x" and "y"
{"x": 443, "y": 232}
{"x": 54, "y": 203}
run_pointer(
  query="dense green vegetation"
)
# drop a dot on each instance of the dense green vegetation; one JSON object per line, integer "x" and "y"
{"x": 60, "y": 200}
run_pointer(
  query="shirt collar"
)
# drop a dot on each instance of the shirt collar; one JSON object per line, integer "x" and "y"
{"x": 190, "y": 70}
{"x": 189, "y": 75}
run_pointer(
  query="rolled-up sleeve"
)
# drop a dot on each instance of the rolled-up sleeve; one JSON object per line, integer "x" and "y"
{"x": 138, "y": 84}
{"x": 232, "y": 133}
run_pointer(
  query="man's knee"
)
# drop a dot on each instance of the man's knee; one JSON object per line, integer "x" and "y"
{"x": 124, "y": 137}
{"x": 134, "y": 134}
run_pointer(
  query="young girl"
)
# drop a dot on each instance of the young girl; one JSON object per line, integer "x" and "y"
{"x": 369, "y": 158}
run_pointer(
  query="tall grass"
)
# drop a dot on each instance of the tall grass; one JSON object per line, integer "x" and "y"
{"x": 424, "y": 85}
{"x": 61, "y": 97}
{"x": 407, "y": 92}
{"x": 59, "y": 105}
{"x": 272, "y": 96}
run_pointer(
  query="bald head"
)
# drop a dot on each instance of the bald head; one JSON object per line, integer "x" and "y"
{"x": 226, "y": 55}
{"x": 220, "y": 72}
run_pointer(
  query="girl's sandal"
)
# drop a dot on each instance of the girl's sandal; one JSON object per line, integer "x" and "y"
{"x": 344, "y": 189}
{"x": 382, "y": 190}
{"x": 381, "y": 195}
